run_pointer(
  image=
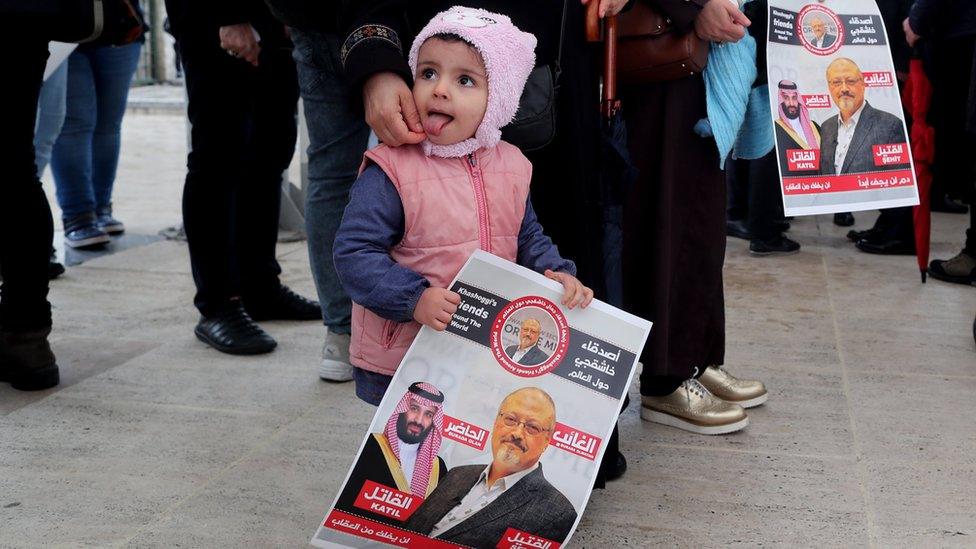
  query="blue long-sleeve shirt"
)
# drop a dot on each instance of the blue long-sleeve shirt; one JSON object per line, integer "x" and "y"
{"x": 373, "y": 223}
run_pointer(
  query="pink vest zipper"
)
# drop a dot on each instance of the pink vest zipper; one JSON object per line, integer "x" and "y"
{"x": 484, "y": 227}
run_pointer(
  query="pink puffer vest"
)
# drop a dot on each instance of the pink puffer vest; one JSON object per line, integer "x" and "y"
{"x": 451, "y": 207}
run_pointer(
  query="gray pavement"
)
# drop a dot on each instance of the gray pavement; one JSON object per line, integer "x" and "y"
{"x": 154, "y": 440}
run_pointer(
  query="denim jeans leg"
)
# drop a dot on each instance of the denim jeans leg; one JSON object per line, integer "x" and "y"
{"x": 337, "y": 140}
{"x": 113, "y": 69}
{"x": 71, "y": 159}
{"x": 50, "y": 116}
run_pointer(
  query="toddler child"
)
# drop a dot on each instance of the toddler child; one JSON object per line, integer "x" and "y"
{"x": 417, "y": 212}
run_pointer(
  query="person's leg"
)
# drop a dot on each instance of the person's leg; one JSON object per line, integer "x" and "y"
{"x": 270, "y": 147}
{"x": 371, "y": 386}
{"x": 50, "y": 116}
{"x": 337, "y": 139}
{"x": 765, "y": 209}
{"x": 113, "y": 69}
{"x": 26, "y": 227}
{"x": 220, "y": 91}
{"x": 71, "y": 159}
{"x": 737, "y": 186}
{"x": 219, "y": 99}
{"x": 675, "y": 232}
{"x": 970, "y": 248}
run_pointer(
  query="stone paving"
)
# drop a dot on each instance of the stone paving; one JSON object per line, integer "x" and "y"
{"x": 154, "y": 440}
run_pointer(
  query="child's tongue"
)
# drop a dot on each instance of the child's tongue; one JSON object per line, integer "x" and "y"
{"x": 435, "y": 123}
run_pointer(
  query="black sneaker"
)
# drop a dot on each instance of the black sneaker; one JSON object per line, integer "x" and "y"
{"x": 845, "y": 219}
{"x": 106, "y": 223}
{"x": 82, "y": 232}
{"x": 778, "y": 245}
{"x": 283, "y": 304}
{"x": 234, "y": 333}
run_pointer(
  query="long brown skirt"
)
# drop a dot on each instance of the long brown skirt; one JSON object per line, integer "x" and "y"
{"x": 674, "y": 233}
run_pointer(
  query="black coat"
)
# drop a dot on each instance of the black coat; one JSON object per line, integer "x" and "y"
{"x": 532, "y": 505}
{"x": 371, "y": 465}
{"x": 893, "y": 13}
{"x": 205, "y": 16}
{"x": 943, "y": 18}
{"x": 874, "y": 127}
{"x": 405, "y": 18}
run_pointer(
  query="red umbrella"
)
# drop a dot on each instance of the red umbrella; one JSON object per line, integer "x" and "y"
{"x": 917, "y": 97}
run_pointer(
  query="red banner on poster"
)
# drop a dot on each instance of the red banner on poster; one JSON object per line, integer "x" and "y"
{"x": 517, "y": 539}
{"x": 817, "y": 101}
{"x": 365, "y": 528}
{"x": 466, "y": 433}
{"x": 575, "y": 441}
{"x": 852, "y": 182}
{"x": 803, "y": 160}
{"x": 386, "y": 501}
{"x": 890, "y": 155}
{"x": 881, "y": 79}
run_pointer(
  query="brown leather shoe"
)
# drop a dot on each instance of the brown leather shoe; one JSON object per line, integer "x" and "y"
{"x": 26, "y": 360}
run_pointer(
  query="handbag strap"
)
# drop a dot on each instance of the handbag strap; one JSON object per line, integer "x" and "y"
{"x": 559, "y": 53}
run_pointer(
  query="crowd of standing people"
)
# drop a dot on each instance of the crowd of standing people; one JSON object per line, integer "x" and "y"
{"x": 246, "y": 64}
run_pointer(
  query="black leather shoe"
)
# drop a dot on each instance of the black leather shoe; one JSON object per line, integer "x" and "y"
{"x": 886, "y": 247}
{"x": 947, "y": 205}
{"x": 283, "y": 304}
{"x": 845, "y": 219}
{"x": 26, "y": 360}
{"x": 778, "y": 245}
{"x": 234, "y": 333}
{"x": 736, "y": 228}
{"x": 854, "y": 236}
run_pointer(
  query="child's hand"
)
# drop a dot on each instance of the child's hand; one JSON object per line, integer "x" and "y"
{"x": 575, "y": 292}
{"x": 436, "y": 307}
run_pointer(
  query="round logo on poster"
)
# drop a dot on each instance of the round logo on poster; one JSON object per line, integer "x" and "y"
{"x": 530, "y": 336}
{"x": 813, "y": 20}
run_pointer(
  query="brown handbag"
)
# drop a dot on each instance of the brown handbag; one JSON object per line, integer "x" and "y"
{"x": 649, "y": 48}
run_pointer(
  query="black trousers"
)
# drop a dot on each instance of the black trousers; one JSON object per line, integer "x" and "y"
{"x": 754, "y": 194}
{"x": 243, "y": 132}
{"x": 26, "y": 227}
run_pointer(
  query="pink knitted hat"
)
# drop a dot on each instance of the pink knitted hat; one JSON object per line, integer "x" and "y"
{"x": 509, "y": 56}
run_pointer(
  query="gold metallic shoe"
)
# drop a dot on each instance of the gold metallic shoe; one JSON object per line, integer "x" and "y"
{"x": 692, "y": 408}
{"x": 727, "y": 387}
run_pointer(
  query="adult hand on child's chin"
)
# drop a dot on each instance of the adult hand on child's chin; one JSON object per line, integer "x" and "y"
{"x": 436, "y": 307}
{"x": 391, "y": 111}
{"x": 574, "y": 292}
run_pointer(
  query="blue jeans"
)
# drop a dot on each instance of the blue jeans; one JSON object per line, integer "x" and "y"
{"x": 337, "y": 141}
{"x": 50, "y": 116}
{"x": 86, "y": 154}
{"x": 370, "y": 386}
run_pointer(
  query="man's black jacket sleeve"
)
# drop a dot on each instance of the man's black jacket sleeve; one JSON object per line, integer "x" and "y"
{"x": 377, "y": 41}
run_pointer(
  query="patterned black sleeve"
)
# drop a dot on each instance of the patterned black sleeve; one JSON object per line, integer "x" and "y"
{"x": 376, "y": 41}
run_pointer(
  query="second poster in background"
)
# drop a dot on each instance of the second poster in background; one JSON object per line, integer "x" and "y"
{"x": 840, "y": 130}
